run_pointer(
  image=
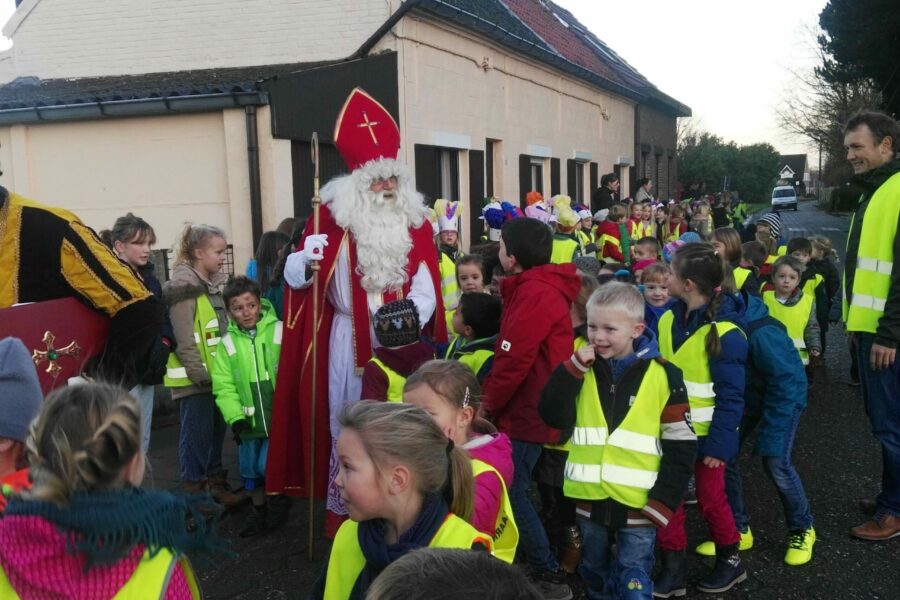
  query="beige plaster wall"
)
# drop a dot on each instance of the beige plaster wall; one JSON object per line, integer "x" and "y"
{"x": 168, "y": 169}
{"x": 70, "y": 38}
{"x": 460, "y": 89}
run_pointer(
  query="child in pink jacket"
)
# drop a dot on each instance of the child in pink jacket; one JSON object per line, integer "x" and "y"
{"x": 449, "y": 392}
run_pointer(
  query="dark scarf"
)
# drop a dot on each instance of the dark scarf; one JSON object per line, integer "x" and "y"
{"x": 106, "y": 526}
{"x": 379, "y": 554}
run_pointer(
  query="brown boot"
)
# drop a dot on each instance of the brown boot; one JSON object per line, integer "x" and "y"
{"x": 570, "y": 552}
{"x": 222, "y": 492}
{"x": 882, "y": 527}
{"x": 208, "y": 507}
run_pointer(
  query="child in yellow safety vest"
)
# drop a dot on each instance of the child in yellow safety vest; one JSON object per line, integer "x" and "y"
{"x": 793, "y": 307}
{"x": 199, "y": 320}
{"x": 448, "y": 249}
{"x": 703, "y": 335}
{"x": 450, "y": 394}
{"x": 812, "y": 283}
{"x": 406, "y": 486}
{"x": 566, "y": 245}
{"x": 632, "y": 447}
{"x": 86, "y": 528}
{"x": 401, "y": 351}
{"x": 476, "y": 325}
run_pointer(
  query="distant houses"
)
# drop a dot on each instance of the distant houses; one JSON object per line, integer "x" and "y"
{"x": 793, "y": 169}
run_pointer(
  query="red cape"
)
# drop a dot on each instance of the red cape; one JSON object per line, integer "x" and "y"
{"x": 287, "y": 469}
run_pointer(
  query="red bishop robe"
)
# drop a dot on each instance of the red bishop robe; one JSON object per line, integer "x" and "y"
{"x": 287, "y": 469}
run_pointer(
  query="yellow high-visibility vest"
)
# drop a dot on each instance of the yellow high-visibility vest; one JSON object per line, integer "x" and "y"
{"x": 874, "y": 259}
{"x": 506, "y": 533}
{"x": 347, "y": 560}
{"x": 622, "y": 464}
{"x": 794, "y": 318}
{"x": 396, "y": 381}
{"x": 693, "y": 361}
{"x": 207, "y": 336}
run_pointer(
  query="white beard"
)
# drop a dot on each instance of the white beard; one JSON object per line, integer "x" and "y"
{"x": 380, "y": 226}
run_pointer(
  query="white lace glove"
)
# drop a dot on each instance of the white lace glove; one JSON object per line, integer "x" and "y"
{"x": 296, "y": 263}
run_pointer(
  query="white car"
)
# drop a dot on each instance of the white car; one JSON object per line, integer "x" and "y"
{"x": 783, "y": 197}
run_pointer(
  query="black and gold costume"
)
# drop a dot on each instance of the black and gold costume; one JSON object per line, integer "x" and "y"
{"x": 48, "y": 253}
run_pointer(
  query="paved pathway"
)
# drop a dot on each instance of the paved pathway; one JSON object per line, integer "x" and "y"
{"x": 835, "y": 455}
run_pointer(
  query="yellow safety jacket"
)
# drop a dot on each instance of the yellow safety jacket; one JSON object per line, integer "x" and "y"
{"x": 506, "y": 533}
{"x": 740, "y": 277}
{"x": 622, "y": 464}
{"x": 639, "y": 230}
{"x": 693, "y": 361}
{"x": 794, "y": 318}
{"x": 579, "y": 343}
{"x": 874, "y": 259}
{"x": 206, "y": 335}
{"x": 565, "y": 249}
{"x": 149, "y": 580}
{"x": 770, "y": 259}
{"x": 449, "y": 288}
{"x": 474, "y": 359}
{"x": 347, "y": 560}
{"x": 396, "y": 381}
{"x": 810, "y": 285}
{"x": 584, "y": 240}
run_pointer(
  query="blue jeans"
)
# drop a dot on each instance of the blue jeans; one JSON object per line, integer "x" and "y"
{"x": 881, "y": 394}
{"x": 201, "y": 438}
{"x": 628, "y": 576}
{"x": 252, "y": 456}
{"x": 532, "y": 538}
{"x": 781, "y": 471}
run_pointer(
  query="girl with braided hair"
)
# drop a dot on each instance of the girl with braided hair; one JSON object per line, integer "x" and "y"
{"x": 703, "y": 334}
{"x": 86, "y": 530}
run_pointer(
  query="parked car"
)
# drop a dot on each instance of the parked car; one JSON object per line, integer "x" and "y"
{"x": 784, "y": 197}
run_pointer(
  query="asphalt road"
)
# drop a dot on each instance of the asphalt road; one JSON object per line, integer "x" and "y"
{"x": 835, "y": 455}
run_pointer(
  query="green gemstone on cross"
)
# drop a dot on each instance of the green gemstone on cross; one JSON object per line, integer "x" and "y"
{"x": 52, "y": 354}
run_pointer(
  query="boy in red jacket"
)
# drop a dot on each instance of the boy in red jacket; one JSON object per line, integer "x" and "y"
{"x": 613, "y": 246}
{"x": 535, "y": 336}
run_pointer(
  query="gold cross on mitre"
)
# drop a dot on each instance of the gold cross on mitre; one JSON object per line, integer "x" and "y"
{"x": 367, "y": 123}
{"x": 52, "y": 354}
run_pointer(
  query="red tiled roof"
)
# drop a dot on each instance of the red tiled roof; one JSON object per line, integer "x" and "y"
{"x": 565, "y": 41}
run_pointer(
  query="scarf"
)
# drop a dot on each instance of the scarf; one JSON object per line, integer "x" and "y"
{"x": 106, "y": 526}
{"x": 379, "y": 554}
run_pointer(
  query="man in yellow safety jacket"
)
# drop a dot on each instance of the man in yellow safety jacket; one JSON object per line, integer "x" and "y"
{"x": 871, "y": 306}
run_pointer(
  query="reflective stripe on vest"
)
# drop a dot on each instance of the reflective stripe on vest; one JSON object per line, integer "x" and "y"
{"x": 395, "y": 381}
{"x": 794, "y": 318}
{"x": 693, "y": 361}
{"x": 608, "y": 238}
{"x": 564, "y": 250}
{"x": 347, "y": 561}
{"x": 207, "y": 337}
{"x": 152, "y": 574}
{"x": 449, "y": 285}
{"x": 740, "y": 277}
{"x": 506, "y": 532}
{"x": 875, "y": 259}
{"x": 624, "y": 464}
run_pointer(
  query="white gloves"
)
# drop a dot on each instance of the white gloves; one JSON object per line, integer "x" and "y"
{"x": 295, "y": 266}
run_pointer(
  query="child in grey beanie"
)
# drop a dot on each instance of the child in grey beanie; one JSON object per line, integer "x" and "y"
{"x": 20, "y": 399}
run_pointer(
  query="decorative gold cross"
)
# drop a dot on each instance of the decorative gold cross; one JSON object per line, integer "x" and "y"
{"x": 369, "y": 124}
{"x": 52, "y": 354}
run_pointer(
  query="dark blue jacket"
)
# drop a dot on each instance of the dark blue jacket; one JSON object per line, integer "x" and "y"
{"x": 653, "y": 313}
{"x": 776, "y": 379}
{"x": 727, "y": 371}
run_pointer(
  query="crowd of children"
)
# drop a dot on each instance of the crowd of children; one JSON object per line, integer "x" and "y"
{"x": 614, "y": 362}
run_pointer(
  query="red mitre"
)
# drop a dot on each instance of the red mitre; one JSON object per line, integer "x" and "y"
{"x": 365, "y": 131}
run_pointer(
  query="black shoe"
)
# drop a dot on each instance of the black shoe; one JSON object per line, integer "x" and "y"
{"x": 727, "y": 572}
{"x": 279, "y": 507}
{"x": 256, "y": 522}
{"x": 551, "y": 584}
{"x": 670, "y": 582}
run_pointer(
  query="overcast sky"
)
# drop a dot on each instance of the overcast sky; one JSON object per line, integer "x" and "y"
{"x": 727, "y": 60}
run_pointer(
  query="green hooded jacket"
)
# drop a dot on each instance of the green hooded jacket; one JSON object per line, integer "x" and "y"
{"x": 245, "y": 371}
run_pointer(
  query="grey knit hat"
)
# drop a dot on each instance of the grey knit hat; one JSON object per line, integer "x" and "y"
{"x": 20, "y": 391}
{"x": 589, "y": 265}
{"x": 397, "y": 324}
{"x": 773, "y": 220}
